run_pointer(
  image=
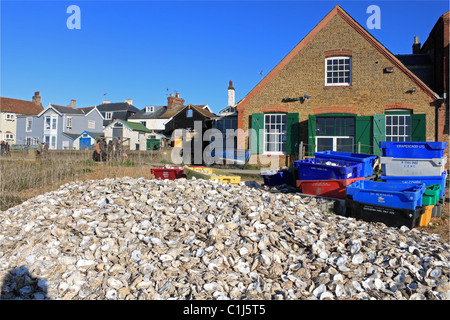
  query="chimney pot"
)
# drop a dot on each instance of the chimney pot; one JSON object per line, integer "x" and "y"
{"x": 416, "y": 45}
{"x": 36, "y": 98}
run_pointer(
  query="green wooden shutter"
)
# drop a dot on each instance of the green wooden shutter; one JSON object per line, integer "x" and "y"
{"x": 419, "y": 127}
{"x": 257, "y": 134}
{"x": 363, "y": 134}
{"x": 292, "y": 133}
{"x": 379, "y": 132}
{"x": 311, "y": 135}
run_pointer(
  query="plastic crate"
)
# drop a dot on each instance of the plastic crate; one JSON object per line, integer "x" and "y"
{"x": 419, "y": 150}
{"x": 391, "y": 217}
{"x": 211, "y": 174}
{"x": 412, "y": 167}
{"x": 171, "y": 173}
{"x": 367, "y": 160}
{"x": 326, "y": 188}
{"x": 321, "y": 169}
{"x": 427, "y": 180}
{"x": 395, "y": 195}
{"x": 277, "y": 178}
{"x": 431, "y": 195}
{"x": 437, "y": 209}
{"x": 426, "y": 216}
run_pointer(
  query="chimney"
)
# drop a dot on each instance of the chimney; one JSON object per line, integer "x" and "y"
{"x": 231, "y": 99}
{"x": 416, "y": 45}
{"x": 73, "y": 104}
{"x": 37, "y": 98}
{"x": 129, "y": 101}
{"x": 106, "y": 101}
{"x": 172, "y": 101}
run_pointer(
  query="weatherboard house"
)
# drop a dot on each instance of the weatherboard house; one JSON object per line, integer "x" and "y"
{"x": 337, "y": 89}
{"x": 58, "y": 126}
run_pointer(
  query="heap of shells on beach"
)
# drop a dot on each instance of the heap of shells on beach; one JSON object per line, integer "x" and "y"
{"x": 134, "y": 238}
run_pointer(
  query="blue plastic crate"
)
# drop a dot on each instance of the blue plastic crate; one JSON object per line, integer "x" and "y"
{"x": 394, "y": 195}
{"x": 413, "y": 149}
{"x": 367, "y": 160}
{"x": 278, "y": 178}
{"x": 427, "y": 180}
{"x": 321, "y": 169}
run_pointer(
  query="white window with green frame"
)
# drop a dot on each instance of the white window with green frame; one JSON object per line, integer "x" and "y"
{"x": 274, "y": 133}
{"x": 398, "y": 126}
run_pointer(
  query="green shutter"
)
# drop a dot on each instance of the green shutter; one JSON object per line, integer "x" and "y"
{"x": 257, "y": 138}
{"x": 419, "y": 127}
{"x": 292, "y": 133}
{"x": 379, "y": 132}
{"x": 363, "y": 134}
{"x": 311, "y": 135}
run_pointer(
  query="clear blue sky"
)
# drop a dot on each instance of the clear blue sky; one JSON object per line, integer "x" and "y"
{"x": 139, "y": 49}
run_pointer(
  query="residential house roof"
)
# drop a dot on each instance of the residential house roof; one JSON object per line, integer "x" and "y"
{"x": 143, "y": 114}
{"x": 117, "y": 106}
{"x": 202, "y": 109}
{"x": 336, "y": 11}
{"x": 19, "y": 106}
{"x": 67, "y": 109}
{"x": 135, "y": 126}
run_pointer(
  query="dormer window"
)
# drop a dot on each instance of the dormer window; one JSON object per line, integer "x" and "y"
{"x": 108, "y": 115}
{"x": 149, "y": 109}
{"x": 338, "y": 71}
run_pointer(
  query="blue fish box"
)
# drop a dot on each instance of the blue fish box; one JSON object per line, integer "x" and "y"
{"x": 413, "y": 149}
{"x": 394, "y": 195}
{"x": 278, "y": 178}
{"x": 324, "y": 169}
{"x": 427, "y": 180}
{"x": 367, "y": 160}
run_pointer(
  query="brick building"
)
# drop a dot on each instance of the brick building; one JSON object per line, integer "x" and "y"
{"x": 338, "y": 89}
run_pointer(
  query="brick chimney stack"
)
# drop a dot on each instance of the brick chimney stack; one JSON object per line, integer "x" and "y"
{"x": 231, "y": 98}
{"x": 172, "y": 101}
{"x": 73, "y": 104}
{"x": 37, "y": 98}
{"x": 416, "y": 45}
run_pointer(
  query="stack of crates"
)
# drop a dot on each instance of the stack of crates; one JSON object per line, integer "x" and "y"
{"x": 417, "y": 162}
{"x": 330, "y": 172}
{"x": 394, "y": 204}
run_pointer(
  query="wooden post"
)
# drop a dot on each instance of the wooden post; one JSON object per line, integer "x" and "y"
{"x": 300, "y": 151}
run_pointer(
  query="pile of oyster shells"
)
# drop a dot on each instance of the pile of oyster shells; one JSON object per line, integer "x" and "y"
{"x": 133, "y": 238}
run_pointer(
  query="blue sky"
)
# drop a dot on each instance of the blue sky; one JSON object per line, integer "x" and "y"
{"x": 139, "y": 49}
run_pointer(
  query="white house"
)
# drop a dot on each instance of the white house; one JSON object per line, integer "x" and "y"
{"x": 134, "y": 135}
{"x": 10, "y": 109}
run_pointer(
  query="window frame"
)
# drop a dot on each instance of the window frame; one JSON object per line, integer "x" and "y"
{"x": 282, "y": 148}
{"x": 108, "y": 115}
{"x": 29, "y": 128}
{"x": 406, "y": 127}
{"x": 338, "y": 84}
{"x": 68, "y": 122}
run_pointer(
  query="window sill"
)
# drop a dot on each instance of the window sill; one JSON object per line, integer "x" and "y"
{"x": 274, "y": 154}
{"x": 346, "y": 86}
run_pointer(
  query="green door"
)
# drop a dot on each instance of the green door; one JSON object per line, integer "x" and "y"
{"x": 363, "y": 134}
{"x": 379, "y": 132}
{"x": 153, "y": 144}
